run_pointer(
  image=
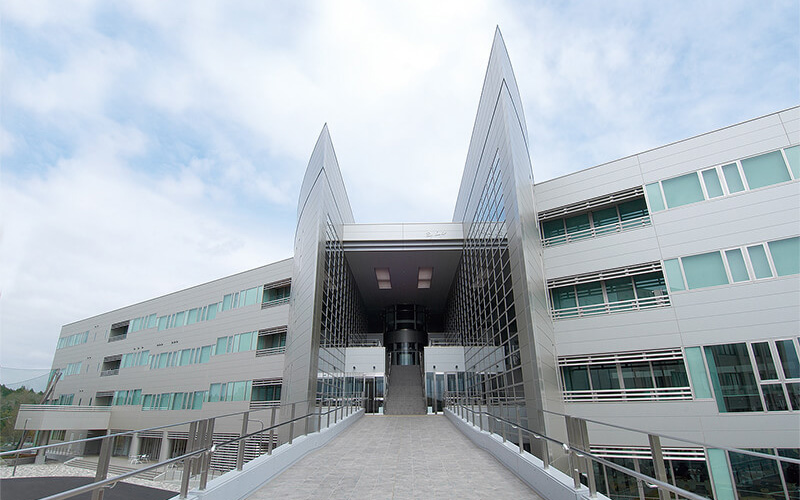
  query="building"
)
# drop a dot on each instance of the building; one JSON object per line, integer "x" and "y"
{"x": 657, "y": 291}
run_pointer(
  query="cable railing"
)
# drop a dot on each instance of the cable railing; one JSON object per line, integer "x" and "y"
{"x": 630, "y": 394}
{"x": 201, "y": 445}
{"x": 581, "y": 459}
{"x": 595, "y": 231}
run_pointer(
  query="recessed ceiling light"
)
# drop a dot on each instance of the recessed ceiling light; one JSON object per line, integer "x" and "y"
{"x": 423, "y": 283}
{"x": 384, "y": 285}
{"x": 425, "y": 273}
{"x": 382, "y": 273}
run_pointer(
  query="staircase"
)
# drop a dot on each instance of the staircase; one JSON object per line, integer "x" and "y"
{"x": 113, "y": 470}
{"x": 404, "y": 394}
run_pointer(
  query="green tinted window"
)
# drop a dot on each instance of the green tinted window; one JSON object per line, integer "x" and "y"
{"x": 605, "y": 220}
{"x": 577, "y": 223}
{"x": 553, "y": 228}
{"x": 576, "y": 378}
{"x": 774, "y": 397}
{"x": 654, "y": 197}
{"x": 671, "y": 373}
{"x": 674, "y": 275}
{"x": 766, "y": 367}
{"x": 649, "y": 285}
{"x": 786, "y": 256}
{"x": 736, "y": 265}
{"x": 636, "y": 375}
{"x": 590, "y": 294}
{"x": 758, "y": 257}
{"x": 619, "y": 289}
{"x": 765, "y": 170}
{"x": 732, "y": 178}
{"x": 632, "y": 209}
{"x": 697, "y": 370}
{"x": 793, "y": 155}
{"x": 604, "y": 377}
{"x": 711, "y": 179}
{"x": 682, "y": 190}
{"x": 564, "y": 297}
{"x": 704, "y": 270}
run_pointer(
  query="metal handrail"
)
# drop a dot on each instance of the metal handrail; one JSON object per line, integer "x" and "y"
{"x": 595, "y": 231}
{"x": 571, "y": 449}
{"x": 204, "y": 451}
{"x": 611, "y": 307}
{"x": 125, "y": 433}
{"x": 683, "y": 440}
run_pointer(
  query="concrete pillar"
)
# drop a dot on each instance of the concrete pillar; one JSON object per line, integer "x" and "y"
{"x": 44, "y": 438}
{"x": 165, "y": 446}
{"x": 135, "y": 444}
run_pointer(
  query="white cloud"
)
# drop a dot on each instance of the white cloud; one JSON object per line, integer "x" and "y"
{"x": 226, "y": 101}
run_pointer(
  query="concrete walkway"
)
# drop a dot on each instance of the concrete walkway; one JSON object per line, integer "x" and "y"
{"x": 398, "y": 457}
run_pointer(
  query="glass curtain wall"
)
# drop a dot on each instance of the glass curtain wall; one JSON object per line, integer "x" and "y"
{"x": 343, "y": 320}
{"x": 481, "y": 313}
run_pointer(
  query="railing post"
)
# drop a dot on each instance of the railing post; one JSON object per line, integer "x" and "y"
{"x": 571, "y": 458}
{"x": 519, "y": 429}
{"x": 240, "y": 454}
{"x": 589, "y": 464}
{"x": 271, "y": 443}
{"x": 102, "y": 467}
{"x": 291, "y": 424}
{"x": 319, "y": 416}
{"x": 480, "y": 418}
{"x": 658, "y": 464}
{"x": 502, "y": 425}
{"x": 187, "y": 462}
{"x": 206, "y": 457}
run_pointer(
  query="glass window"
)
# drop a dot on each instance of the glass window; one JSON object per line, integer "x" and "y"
{"x": 793, "y": 155}
{"x": 177, "y": 401}
{"x": 250, "y": 296}
{"x": 763, "y": 356}
{"x": 245, "y": 339}
{"x": 553, "y": 228}
{"x": 162, "y": 322}
{"x": 605, "y": 220}
{"x": 179, "y": 318}
{"x": 563, "y": 297}
{"x": 633, "y": 209}
{"x": 733, "y": 378}
{"x": 736, "y": 265}
{"x": 222, "y": 346}
{"x": 590, "y": 294}
{"x": 794, "y": 395}
{"x": 212, "y": 311}
{"x": 697, "y": 370}
{"x": 619, "y": 289}
{"x": 786, "y": 256}
{"x": 576, "y": 224}
{"x": 604, "y": 377}
{"x": 205, "y": 354}
{"x": 227, "y": 302}
{"x": 758, "y": 257}
{"x": 649, "y": 285}
{"x": 192, "y": 319}
{"x": 732, "y": 178}
{"x": 765, "y": 170}
{"x": 774, "y": 398}
{"x": 670, "y": 373}
{"x": 713, "y": 186}
{"x": 674, "y": 275}
{"x": 654, "y": 197}
{"x": 214, "y": 392}
{"x": 788, "y": 355}
{"x": 636, "y": 375}
{"x": 238, "y": 393}
{"x": 704, "y": 270}
{"x": 682, "y": 190}
{"x": 576, "y": 378}
{"x": 185, "y": 357}
{"x": 756, "y": 477}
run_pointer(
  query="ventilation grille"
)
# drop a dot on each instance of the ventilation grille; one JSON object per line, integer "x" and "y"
{"x": 605, "y": 275}
{"x": 586, "y": 205}
{"x": 621, "y": 357}
{"x": 644, "y": 452}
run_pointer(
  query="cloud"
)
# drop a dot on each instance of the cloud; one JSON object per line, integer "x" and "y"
{"x": 148, "y": 147}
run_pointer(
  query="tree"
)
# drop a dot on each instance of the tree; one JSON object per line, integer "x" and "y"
{"x": 10, "y": 400}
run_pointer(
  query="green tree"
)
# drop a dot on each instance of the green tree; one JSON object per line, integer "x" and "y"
{"x": 10, "y": 400}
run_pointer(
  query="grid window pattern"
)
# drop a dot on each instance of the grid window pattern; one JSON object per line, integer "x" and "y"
{"x": 265, "y": 393}
{"x": 774, "y": 167}
{"x": 241, "y": 342}
{"x": 230, "y": 391}
{"x": 188, "y": 317}
{"x": 183, "y": 357}
{"x": 73, "y": 368}
{"x": 756, "y": 376}
{"x": 276, "y": 293}
{"x": 734, "y": 265}
{"x": 74, "y": 339}
{"x": 342, "y": 319}
{"x": 174, "y": 401}
{"x": 609, "y": 292}
{"x": 640, "y": 376}
{"x": 132, "y": 397}
{"x": 271, "y": 341}
{"x": 481, "y": 312}
{"x": 138, "y": 358}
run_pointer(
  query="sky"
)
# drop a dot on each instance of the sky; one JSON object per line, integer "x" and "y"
{"x": 148, "y": 146}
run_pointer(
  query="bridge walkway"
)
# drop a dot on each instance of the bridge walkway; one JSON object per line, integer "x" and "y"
{"x": 398, "y": 457}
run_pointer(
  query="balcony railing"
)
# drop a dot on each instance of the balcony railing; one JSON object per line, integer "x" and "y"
{"x": 594, "y": 232}
{"x": 612, "y": 307}
{"x": 118, "y": 337}
{"x": 258, "y": 405}
{"x": 275, "y": 302}
{"x": 638, "y": 394}
{"x": 270, "y": 351}
{"x": 107, "y": 373}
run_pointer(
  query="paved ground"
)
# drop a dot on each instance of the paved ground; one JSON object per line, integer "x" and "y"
{"x": 30, "y": 488}
{"x": 398, "y": 457}
{"x": 55, "y": 469}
